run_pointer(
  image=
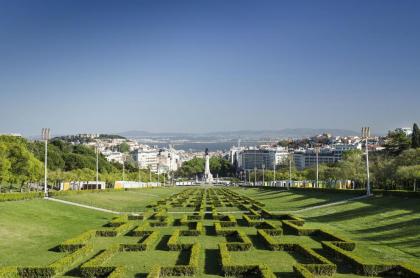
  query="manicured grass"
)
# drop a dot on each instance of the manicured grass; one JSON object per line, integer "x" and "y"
{"x": 124, "y": 201}
{"x": 29, "y": 229}
{"x": 385, "y": 228}
{"x": 284, "y": 200}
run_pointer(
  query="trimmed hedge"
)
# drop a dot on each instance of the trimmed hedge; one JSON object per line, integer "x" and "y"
{"x": 146, "y": 242}
{"x": 77, "y": 242}
{"x": 57, "y": 267}
{"x": 362, "y": 268}
{"x": 94, "y": 268}
{"x": 230, "y": 269}
{"x": 173, "y": 242}
{"x": 141, "y": 230}
{"x": 118, "y": 272}
{"x": 4, "y": 197}
{"x": 9, "y": 272}
{"x": 243, "y": 242}
{"x": 189, "y": 269}
{"x": 228, "y": 221}
{"x": 222, "y": 232}
{"x": 319, "y": 265}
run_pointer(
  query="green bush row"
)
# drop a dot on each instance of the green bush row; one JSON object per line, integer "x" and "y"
{"x": 146, "y": 242}
{"x": 20, "y": 196}
{"x": 94, "y": 268}
{"x": 230, "y": 269}
{"x": 77, "y": 242}
{"x": 118, "y": 272}
{"x": 141, "y": 230}
{"x": 319, "y": 265}
{"x": 242, "y": 242}
{"x": 173, "y": 242}
{"x": 222, "y": 232}
{"x": 9, "y": 272}
{"x": 290, "y": 227}
{"x": 228, "y": 221}
{"x": 189, "y": 269}
{"x": 57, "y": 267}
{"x": 362, "y": 268}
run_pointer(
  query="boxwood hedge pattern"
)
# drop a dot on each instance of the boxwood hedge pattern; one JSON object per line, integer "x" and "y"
{"x": 207, "y": 217}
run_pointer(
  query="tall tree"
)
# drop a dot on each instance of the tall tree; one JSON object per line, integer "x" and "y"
{"x": 396, "y": 142}
{"x": 409, "y": 173}
{"x": 415, "y": 137}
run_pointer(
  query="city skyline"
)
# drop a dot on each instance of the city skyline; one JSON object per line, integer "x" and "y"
{"x": 208, "y": 66}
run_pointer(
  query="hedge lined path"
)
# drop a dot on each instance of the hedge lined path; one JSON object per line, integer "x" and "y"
{"x": 209, "y": 232}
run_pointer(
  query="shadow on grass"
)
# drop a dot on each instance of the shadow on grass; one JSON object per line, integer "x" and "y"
{"x": 211, "y": 263}
{"x": 258, "y": 243}
{"x": 210, "y": 230}
{"x": 183, "y": 257}
{"x": 141, "y": 275}
{"x": 163, "y": 243}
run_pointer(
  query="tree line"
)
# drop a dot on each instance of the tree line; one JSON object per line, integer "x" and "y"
{"x": 22, "y": 164}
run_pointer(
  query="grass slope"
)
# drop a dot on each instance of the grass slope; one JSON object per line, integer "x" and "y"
{"x": 385, "y": 228}
{"x": 125, "y": 201}
{"x": 29, "y": 229}
{"x": 282, "y": 200}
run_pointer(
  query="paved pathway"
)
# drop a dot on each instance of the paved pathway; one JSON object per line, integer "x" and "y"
{"x": 81, "y": 205}
{"x": 208, "y": 212}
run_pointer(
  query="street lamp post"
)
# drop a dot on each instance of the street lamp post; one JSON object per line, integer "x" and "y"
{"x": 45, "y": 137}
{"x": 123, "y": 163}
{"x": 150, "y": 174}
{"x": 255, "y": 176}
{"x": 290, "y": 171}
{"x": 317, "y": 149}
{"x": 263, "y": 180}
{"x": 158, "y": 172}
{"x": 97, "y": 166}
{"x": 274, "y": 173}
{"x": 366, "y": 135}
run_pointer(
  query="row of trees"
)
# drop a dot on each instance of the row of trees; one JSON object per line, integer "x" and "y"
{"x": 396, "y": 167}
{"x": 22, "y": 164}
{"x": 195, "y": 167}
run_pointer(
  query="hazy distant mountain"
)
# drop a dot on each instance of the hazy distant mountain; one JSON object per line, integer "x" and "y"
{"x": 243, "y": 134}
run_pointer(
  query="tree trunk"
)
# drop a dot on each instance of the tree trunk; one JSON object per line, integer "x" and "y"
{"x": 414, "y": 185}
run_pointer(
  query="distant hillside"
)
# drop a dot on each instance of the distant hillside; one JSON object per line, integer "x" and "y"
{"x": 246, "y": 134}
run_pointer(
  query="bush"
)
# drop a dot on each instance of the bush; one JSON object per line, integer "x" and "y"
{"x": 94, "y": 268}
{"x": 243, "y": 242}
{"x": 355, "y": 262}
{"x": 9, "y": 272}
{"x": 20, "y": 196}
{"x": 77, "y": 242}
{"x": 118, "y": 272}
{"x": 242, "y": 270}
{"x": 146, "y": 242}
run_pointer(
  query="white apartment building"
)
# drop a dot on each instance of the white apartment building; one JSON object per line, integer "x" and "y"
{"x": 147, "y": 159}
{"x": 304, "y": 158}
{"x": 113, "y": 156}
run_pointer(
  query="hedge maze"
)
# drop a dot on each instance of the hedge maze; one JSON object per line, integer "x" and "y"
{"x": 208, "y": 231}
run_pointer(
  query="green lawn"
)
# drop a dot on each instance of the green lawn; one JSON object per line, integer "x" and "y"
{"x": 28, "y": 229}
{"x": 283, "y": 200}
{"x": 124, "y": 201}
{"x": 385, "y": 229}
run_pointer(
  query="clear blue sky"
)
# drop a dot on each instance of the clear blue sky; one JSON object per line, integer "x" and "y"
{"x": 194, "y": 66}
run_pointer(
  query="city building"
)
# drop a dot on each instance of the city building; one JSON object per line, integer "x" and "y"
{"x": 147, "y": 158}
{"x": 304, "y": 158}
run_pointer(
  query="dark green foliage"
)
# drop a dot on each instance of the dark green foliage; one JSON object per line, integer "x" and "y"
{"x": 415, "y": 137}
{"x": 397, "y": 142}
